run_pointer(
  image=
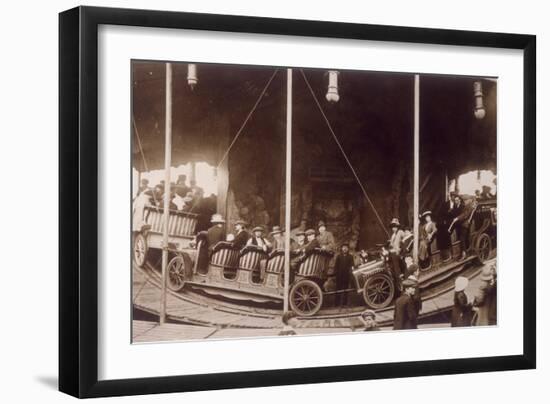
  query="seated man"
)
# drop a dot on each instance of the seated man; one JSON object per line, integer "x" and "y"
{"x": 258, "y": 239}
{"x": 216, "y": 233}
{"x": 297, "y": 253}
{"x": 241, "y": 235}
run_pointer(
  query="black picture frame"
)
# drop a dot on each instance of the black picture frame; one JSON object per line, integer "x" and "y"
{"x": 78, "y": 196}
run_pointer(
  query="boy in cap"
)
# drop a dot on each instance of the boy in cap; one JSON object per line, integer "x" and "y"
{"x": 405, "y": 315}
{"x": 368, "y": 317}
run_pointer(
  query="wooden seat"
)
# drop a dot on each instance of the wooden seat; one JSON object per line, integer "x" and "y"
{"x": 315, "y": 264}
{"x": 179, "y": 223}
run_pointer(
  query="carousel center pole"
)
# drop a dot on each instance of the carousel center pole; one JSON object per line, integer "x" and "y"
{"x": 416, "y": 213}
{"x": 288, "y": 183}
{"x": 167, "y": 165}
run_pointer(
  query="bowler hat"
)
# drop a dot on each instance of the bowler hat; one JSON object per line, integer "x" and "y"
{"x": 310, "y": 232}
{"x": 276, "y": 230}
{"x": 395, "y": 223}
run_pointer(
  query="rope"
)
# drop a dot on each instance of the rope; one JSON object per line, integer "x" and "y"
{"x": 344, "y": 154}
{"x": 142, "y": 154}
{"x": 248, "y": 117}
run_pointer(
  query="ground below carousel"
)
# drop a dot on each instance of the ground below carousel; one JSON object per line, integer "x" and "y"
{"x": 195, "y": 315}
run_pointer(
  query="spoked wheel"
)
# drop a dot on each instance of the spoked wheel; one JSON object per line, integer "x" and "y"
{"x": 306, "y": 298}
{"x": 378, "y": 291}
{"x": 140, "y": 249}
{"x": 483, "y": 247}
{"x": 179, "y": 271}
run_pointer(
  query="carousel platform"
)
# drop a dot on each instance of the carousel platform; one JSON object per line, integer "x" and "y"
{"x": 193, "y": 315}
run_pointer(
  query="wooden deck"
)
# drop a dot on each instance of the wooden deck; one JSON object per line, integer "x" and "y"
{"x": 193, "y": 316}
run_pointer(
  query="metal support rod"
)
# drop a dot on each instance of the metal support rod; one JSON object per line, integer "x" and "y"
{"x": 288, "y": 183}
{"x": 167, "y": 166}
{"x": 416, "y": 213}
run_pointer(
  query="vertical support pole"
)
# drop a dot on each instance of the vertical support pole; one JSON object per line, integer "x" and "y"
{"x": 193, "y": 171}
{"x": 416, "y": 213}
{"x": 288, "y": 183}
{"x": 167, "y": 165}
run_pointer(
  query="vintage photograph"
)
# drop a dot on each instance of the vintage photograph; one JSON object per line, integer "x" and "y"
{"x": 275, "y": 201}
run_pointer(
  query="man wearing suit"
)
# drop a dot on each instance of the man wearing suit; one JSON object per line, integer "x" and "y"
{"x": 216, "y": 233}
{"x": 241, "y": 236}
{"x": 460, "y": 222}
{"x": 405, "y": 312}
{"x": 342, "y": 267}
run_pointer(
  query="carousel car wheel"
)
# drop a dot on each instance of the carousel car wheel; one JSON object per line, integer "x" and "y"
{"x": 140, "y": 249}
{"x": 180, "y": 270}
{"x": 483, "y": 247}
{"x": 378, "y": 291}
{"x": 306, "y": 297}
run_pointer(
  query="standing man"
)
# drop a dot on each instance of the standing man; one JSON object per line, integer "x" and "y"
{"x": 460, "y": 222}
{"x": 326, "y": 238}
{"x": 343, "y": 267}
{"x": 241, "y": 235}
{"x": 395, "y": 250}
{"x": 404, "y": 316}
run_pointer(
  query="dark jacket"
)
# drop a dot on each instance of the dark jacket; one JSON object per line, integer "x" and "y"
{"x": 214, "y": 235}
{"x": 342, "y": 268}
{"x": 312, "y": 245}
{"x": 240, "y": 239}
{"x": 461, "y": 316}
{"x": 405, "y": 316}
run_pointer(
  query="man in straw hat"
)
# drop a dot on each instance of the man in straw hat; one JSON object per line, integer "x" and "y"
{"x": 405, "y": 315}
{"x": 461, "y": 316}
{"x": 277, "y": 237}
{"x": 394, "y": 250}
{"x": 216, "y": 232}
{"x": 241, "y": 235}
{"x": 368, "y": 317}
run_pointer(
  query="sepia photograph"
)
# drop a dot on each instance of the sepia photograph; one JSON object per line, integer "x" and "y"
{"x": 275, "y": 202}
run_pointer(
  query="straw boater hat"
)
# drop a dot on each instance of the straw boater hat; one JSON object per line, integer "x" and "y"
{"x": 217, "y": 218}
{"x": 309, "y": 232}
{"x": 369, "y": 313}
{"x": 427, "y": 213}
{"x": 461, "y": 283}
{"x": 486, "y": 274}
{"x": 241, "y": 222}
{"x": 258, "y": 228}
{"x": 276, "y": 230}
{"x": 395, "y": 223}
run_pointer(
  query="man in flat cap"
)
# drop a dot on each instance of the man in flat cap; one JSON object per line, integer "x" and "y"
{"x": 311, "y": 242}
{"x": 241, "y": 235}
{"x": 405, "y": 314}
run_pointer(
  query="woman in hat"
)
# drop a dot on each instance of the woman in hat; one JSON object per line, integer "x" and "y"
{"x": 427, "y": 232}
{"x": 485, "y": 297}
{"x": 326, "y": 238}
{"x": 461, "y": 316}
